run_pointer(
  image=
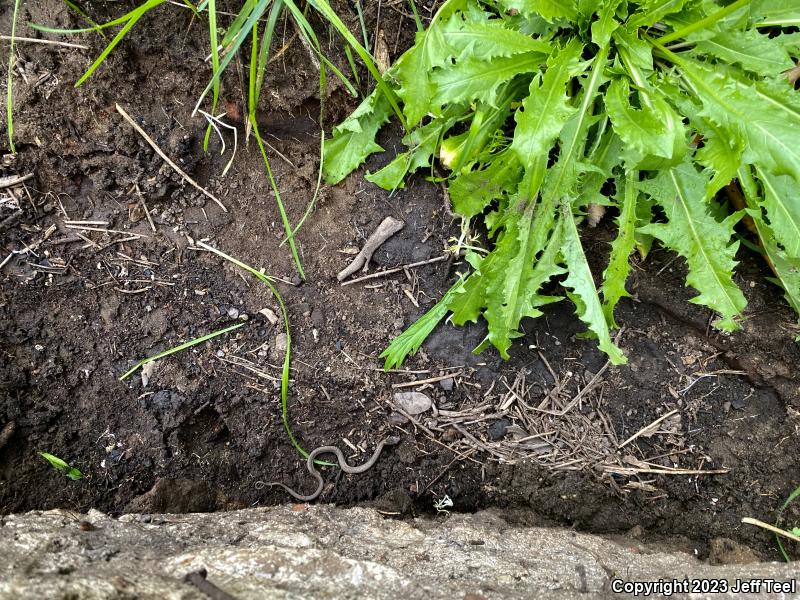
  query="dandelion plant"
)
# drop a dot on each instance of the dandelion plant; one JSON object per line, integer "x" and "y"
{"x": 540, "y": 109}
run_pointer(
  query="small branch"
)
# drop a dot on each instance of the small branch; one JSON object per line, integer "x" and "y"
{"x": 158, "y": 150}
{"x": 662, "y": 471}
{"x": 772, "y": 528}
{"x": 47, "y": 42}
{"x": 429, "y": 380}
{"x": 388, "y": 227}
{"x": 647, "y": 428}
{"x": 14, "y": 179}
{"x": 395, "y": 270}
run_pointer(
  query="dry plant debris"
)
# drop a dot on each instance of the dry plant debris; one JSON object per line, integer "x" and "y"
{"x": 563, "y": 426}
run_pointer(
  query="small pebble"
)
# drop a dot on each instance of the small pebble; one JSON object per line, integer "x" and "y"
{"x": 233, "y": 312}
{"x": 447, "y": 384}
{"x": 269, "y": 314}
{"x": 397, "y": 419}
{"x": 413, "y": 403}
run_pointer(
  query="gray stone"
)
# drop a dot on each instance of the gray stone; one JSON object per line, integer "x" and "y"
{"x": 322, "y": 552}
{"x": 414, "y": 403}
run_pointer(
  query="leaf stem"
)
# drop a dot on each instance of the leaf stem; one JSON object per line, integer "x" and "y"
{"x": 703, "y": 23}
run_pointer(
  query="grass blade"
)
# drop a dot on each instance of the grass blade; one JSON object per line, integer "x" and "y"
{"x": 792, "y": 497}
{"x": 308, "y": 33}
{"x": 9, "y": 93}
{"x": 330, "y": 15}
{"x": 178, "y": 348}
{"x": 230, "y": 52}
{"x": 133, "y": 18}
{"x": 73, "y": 6}
{"x": 266, "y": 280}
{"x": 118, "y": 21}
{"x": 263, "y": 56}
{"x": 252, "y": 102}
{"x": 212, "y": 30}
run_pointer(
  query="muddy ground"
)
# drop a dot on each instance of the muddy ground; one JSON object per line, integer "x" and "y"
{"x": 82, "y": 306}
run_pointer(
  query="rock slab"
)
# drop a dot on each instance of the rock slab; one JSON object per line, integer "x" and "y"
{"x": 320, "y": 552}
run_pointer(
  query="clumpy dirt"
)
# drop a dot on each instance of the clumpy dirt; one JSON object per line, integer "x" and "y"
{"x": 78, "y": 307}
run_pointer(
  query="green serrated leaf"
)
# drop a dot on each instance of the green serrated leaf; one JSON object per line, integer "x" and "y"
{"x": 694, "y": 233}
{"x": 775, "y": 13}
{"x": 722, "y": 154}
{"x": 786, "y": 267}
{"x": 354, "y": 139}
{"x": 652, "y": 131}
{"x": 644, "y": 216}
{"x": 563, "y": 176}
{"x": 764, "y": 114}
{"x": 547, "y": 9}
{"x": 584, "y": 293}
{"x": 472, "y": 191}
{"x": 616, "y": 274}
{"x": 512, "y": 281}
{"x": 413, "y": 69}
{"x": 468, "y": 304}
{"x": 473, "y": 79}
{"x": 487, "y": 39}
{"x": 652, "y": 11}
{"x": 606, "y": 22}
{"x": 783, "y": 210}
{"x": 546, "y": 109}
{"x": 751, "y": 49}
{"x": 409, "y": 342}
{"x": 780, "y": 238}
{"x": 422, "y": 143}
{"x": 635, "y": 52}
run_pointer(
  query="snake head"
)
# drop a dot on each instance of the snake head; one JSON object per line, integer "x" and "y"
{"x": 392, "y": 440}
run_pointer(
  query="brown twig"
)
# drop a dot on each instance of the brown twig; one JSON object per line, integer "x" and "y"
{"x": 772, "y": 528}
{"x": 388, "y": 227}
{"x": 166, "y": 159}
{"x": 7, "y": 432}
{"x": 14, "y": 179}
{"x": 395, "y": 270}
{"x": 428, "y": 380}
{"x": 48, "y": 42}
{"x": 647, "y": 428}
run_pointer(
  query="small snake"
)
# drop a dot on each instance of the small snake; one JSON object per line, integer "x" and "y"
{"x": 389, "y": 441}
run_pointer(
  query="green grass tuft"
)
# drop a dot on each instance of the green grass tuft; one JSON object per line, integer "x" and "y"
{"x": 246, "y": 26}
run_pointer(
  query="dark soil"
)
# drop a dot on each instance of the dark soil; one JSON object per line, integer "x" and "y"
{"x": 76, "y": 313}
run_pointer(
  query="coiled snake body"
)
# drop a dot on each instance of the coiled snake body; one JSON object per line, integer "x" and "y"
{"x": 389, "y": 441}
